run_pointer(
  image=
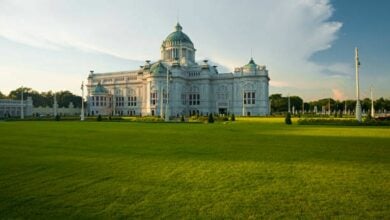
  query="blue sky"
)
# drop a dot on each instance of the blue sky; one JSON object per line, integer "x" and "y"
{"x": 307, "y": 45}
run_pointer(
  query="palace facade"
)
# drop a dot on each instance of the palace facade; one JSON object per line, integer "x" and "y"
{"x": 177, "y": 84}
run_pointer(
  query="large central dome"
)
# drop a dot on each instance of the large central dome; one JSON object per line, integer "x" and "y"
{"x": 178, "y": 47}
{"x": 178, "y": 35}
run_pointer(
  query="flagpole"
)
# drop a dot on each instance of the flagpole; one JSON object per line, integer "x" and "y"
{"x": 82, "y": 102}
{"x": 358, "y": 111}
{"x": 372, "y": 104}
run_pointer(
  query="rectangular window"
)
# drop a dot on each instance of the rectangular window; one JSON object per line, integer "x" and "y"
{"x": 194, "y": 99}
{"x": 153, "y": 98}
{"x": 119, "y": 101}
{"x": 249, "y": 98}
{"x": 132, "y": 101}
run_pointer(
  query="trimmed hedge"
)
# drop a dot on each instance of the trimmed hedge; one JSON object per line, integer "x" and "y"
{"x": 342, "y": 122}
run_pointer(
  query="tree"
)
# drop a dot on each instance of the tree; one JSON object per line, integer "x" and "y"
{"x": 2, "y": 96}
{"x": 46, "y": 98}
{"x": 278, "y": 103}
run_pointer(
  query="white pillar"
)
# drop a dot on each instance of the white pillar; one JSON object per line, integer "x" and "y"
{"x": 55, "y": 105}
{"x": 161, "y": 97}
{"x": 82, "y": 102}
{"x": 243, "y": 100}
{"x": 289, "y": 111}
{"x": 21, "y": 106}
{"x": 167, "y": 104}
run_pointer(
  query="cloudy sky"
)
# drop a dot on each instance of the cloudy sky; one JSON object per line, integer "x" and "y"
{"x": 307, "y": 45}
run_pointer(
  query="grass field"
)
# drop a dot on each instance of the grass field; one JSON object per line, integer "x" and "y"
{"x": 247, "y": 169}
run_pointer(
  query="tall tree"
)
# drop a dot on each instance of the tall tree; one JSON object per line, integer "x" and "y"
{"x": 2, "y": 96}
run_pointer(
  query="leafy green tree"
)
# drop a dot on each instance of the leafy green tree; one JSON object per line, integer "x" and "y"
{"x": 47, "y": 98}
{"x": 278, "y": 103}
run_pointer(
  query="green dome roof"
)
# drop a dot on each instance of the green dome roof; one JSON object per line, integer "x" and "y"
{"x": 251, "y": 64}
{"x": 158, "y": 68}
{"x": 99, "y": 89}
{"x": 178, "y": 35}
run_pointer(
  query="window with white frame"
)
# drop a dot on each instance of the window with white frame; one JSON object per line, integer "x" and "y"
{"x": 194, "y": 99}
{"x": 194, "y": 96}
{"x": 249, "y": 97}
{"x": 119, "y": 101}
{"x": 132, "y": 101}
{"x": 153, "y": 98}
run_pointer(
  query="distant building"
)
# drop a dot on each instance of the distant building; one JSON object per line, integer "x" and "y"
{"x": 12, "y": 108}
{"x": 193, "y": 88}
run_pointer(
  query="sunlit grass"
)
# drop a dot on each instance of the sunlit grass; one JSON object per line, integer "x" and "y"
{"x": 251, "y": 168}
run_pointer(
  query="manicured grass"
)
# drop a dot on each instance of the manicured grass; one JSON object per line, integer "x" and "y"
{"x": 246, "y": 169}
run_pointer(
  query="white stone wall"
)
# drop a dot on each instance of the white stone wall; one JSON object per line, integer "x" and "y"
{"x": 60, "y": 111}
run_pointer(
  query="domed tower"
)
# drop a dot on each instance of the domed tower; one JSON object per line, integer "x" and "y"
{"x": 178, "y": 47}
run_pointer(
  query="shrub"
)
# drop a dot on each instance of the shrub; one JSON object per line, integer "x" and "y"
{"x": 368, "y": 117}
{"x": 57, "y": 118}
{"x": 287, "y": 120}
{"x": 182, "y": 118}
{"x": 99, "y": 118}
{"x": 211, "y": 118}
{"x": 233, "y": 118}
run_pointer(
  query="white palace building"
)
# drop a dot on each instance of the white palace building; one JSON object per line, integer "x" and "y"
{"x": 180, "y": 86}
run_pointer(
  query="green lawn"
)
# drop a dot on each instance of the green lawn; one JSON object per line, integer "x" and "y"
{"x": 247, "y": 169}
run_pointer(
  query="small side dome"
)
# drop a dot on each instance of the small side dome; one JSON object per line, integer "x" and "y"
{"x": 251, "y": 64}
{"x": 157, "y": 68}
{"x": 251, "y": 67}
{"x": 99, "y": 89}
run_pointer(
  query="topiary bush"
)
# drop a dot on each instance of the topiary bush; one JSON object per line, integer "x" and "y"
{"x": 233, "y": 118}
{"x": 57, "y": 117}
{"x": 287, "y": 120}
{"x": 211, "y": 118}
{"x": 99, "y": 118}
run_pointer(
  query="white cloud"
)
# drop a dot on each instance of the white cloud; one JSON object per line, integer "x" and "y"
{"x": 338, "y": 94}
